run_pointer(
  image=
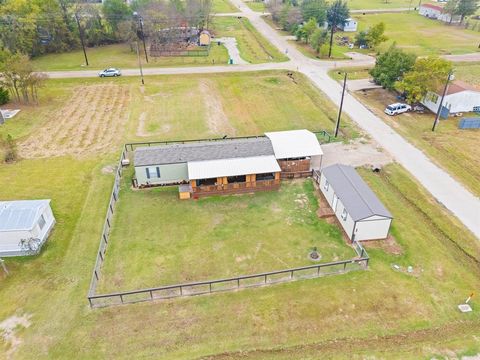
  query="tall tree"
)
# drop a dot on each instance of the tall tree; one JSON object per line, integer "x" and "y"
{"x": 451, "y": 9}
{"x": 391, "y": 65}
{"x": 318, "y": 39}
{"x": 316, "y": 9}
{"x": 116, "y": 11}
{"x": 310, "y": 28}
{"x": 466, "y": 8}
{"x": 376, "y": 35}
{"x": 337, "y": 14}
{"x": 428, "y": 74}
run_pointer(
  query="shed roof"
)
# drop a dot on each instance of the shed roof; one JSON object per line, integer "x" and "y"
{"x": 354, "y": 193}
{"x": 232, "y": 167}
{"x": 294, "y": 144}
{"x": 459, "y": 86}
{"x": 203, "y": 150}
{"x": 21, "y": 214}
{"x": 432, "y": 6}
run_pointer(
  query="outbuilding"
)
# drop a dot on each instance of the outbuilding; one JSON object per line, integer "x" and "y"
{"x": 24, "y": 226}
{"x": 460, "y": 97}
{"x": 359, "y": 211}
{"x": 204, "y": 38}
{"x": 350, "y": 25}
{"x": 436, "y": 12}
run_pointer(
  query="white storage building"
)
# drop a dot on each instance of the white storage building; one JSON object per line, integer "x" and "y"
{"x": 460, "y": 97}
{"x": 359, "y": 211}
{"x": 24, "y": 226}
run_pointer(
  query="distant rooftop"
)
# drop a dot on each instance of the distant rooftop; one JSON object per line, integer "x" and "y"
{"x": 202, "y": 151}
{"x": 21, "y": 214}
{"x": 357, "y": 197}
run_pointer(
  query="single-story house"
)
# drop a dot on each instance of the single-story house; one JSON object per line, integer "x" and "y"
{"x": 460, "y": 97}
{"x": 297, "y": 151}
{"x": 24, "y": 226}
{"x": 359, "y": 211}
{"x": 349, "y": 25}
{"x": 436, "y": 12}
{"x": 228, "y": 165}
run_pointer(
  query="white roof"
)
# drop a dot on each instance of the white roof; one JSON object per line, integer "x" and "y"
{"x": 294, "y": 144}
{"x": 21, "y": 214}
{"x": 232, "y": 167}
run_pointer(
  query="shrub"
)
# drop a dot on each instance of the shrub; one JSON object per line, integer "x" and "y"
{"x": 4, "y": 96}
{"x": 10, "y": 149}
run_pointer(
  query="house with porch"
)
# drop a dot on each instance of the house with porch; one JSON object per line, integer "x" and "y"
{"x": 227, "y": 166}
{"x": 460, "y": 97}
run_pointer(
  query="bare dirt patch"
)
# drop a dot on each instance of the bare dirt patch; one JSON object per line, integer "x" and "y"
{"x": 7, "y": 330}
{"x": 217, "y": 120}
{"x": 389, "y": 245}
{"x": 91, "y": 122}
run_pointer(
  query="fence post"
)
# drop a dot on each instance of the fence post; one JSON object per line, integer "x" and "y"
{"x": 318, "y": 270}
{"x": 291, "y": 274}
{"x": 361, "y": 255}
{"x": 210, "y": 286}
{"x": 151, "y": 294}
{"x": 181, "y": 291}
{"x": 96, "y": 275}
{"x": 344, "y": 266}
{"x": 121, "y": 298}
{"x": 90, "y": 302}
{"x": 265, "y": 279}
{"x": 238, "y": 283}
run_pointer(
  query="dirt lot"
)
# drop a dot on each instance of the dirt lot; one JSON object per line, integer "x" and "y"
{"x": 90, "y": 122}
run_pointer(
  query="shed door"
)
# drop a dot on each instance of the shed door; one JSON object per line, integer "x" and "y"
{"x": 334, "y": 204}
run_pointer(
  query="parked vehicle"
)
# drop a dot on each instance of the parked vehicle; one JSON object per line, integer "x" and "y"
{"x": 397, "y": 108}
{"x": 419, "y": 109}
{"x": 109, "y": 72}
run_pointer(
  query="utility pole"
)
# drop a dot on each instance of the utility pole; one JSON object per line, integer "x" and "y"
{"x": 337, "y": 126}
{"x": 140, "y": 63}
{"x": 332, "y": 29}
{"x": 439, "y": 110}
{"x": 80, "y": 31}
{"x": 140, "y": 24}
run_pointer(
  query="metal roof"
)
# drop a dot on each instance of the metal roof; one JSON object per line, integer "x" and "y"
{"x": 21, "y": 214}
{"x": 354, "y": 193}
{"x": 203, "y": 150}
{"x": 232, "y": 167}
{"x": 294, "y": 144}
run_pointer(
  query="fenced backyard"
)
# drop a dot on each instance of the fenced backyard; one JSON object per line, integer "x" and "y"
{"x": 95, "y": 299}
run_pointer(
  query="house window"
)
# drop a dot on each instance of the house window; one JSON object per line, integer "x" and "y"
{"x": 41, "y": 222}
{"x": 344, "y": 214}
{"x": 326, "y": 185}
{"x": 153, "y": 172}
{"x": 432, "y": 97}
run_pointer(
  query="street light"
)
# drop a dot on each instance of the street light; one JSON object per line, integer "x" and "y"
{"x": 337, "y": 126}
{"x": 140, "y": 24}
{"x": 450, "y": 77}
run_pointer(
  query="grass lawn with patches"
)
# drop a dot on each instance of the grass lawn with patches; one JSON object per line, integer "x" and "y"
{"x": 158, "y": 239}
{"x": 468, "y": 72}
{"x": 258, "y": 6}
{"x": 253, "y": 47}
{"x": 420, "y": 35}
{"x": 379, "y": 4}
{"x": 455, "y": 150}
{"x": 354, "y": 73}
{"x": 223, "y": 6}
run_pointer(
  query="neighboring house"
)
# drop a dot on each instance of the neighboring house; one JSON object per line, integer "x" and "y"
{"x": 359, "y": 211}
{"x": 460, "y": 97}
{"x": 350, "y": 25}
{"x": 436, "y": 12}
{"x": 24, "y": 226}
{"x": 228, "y": 165}
{"x": 205, "y": 38}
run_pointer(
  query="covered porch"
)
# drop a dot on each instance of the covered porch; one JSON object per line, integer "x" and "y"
{"x": 233, "y": 176}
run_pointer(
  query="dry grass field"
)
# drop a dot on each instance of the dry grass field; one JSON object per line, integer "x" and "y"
{"x": 90, "y": 122}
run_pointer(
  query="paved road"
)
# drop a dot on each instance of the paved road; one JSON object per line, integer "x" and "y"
{"x": 441, "y": 185}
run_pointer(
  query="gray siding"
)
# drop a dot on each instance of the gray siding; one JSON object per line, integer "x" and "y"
{"x": 169, "y": 173}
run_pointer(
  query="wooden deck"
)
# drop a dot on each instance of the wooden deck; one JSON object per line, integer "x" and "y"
{"x": 235, "y": 188}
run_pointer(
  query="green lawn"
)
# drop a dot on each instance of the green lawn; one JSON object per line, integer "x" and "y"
{"x": 258, "y": 6}
{"x": 468, "y": 72}
{"x": 455, "y": 150}
{"x": 379, "y": 312}
{"x": 420, "y": 35}
{"x": 380, "y": 4}
{"x": 158, "y": 239}
{"x": 253, "y": 47}
{"x": 354, "y": 73}
{"x": 223, "y": 6}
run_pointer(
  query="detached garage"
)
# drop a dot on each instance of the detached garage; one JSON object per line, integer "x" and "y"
{"x": 24, "y": 226}
{"x": 357, "y": 208}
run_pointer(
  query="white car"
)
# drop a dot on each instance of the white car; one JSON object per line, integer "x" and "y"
{"x": 397, "y": 108}
{"x": 109, "y": 72}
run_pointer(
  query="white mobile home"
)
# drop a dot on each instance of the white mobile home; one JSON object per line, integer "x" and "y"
{"x": 460, "y": 97}
{"x": 359, "y": 211}
{"x": 350, "y": 25}
{"x": 24, "y": 226}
